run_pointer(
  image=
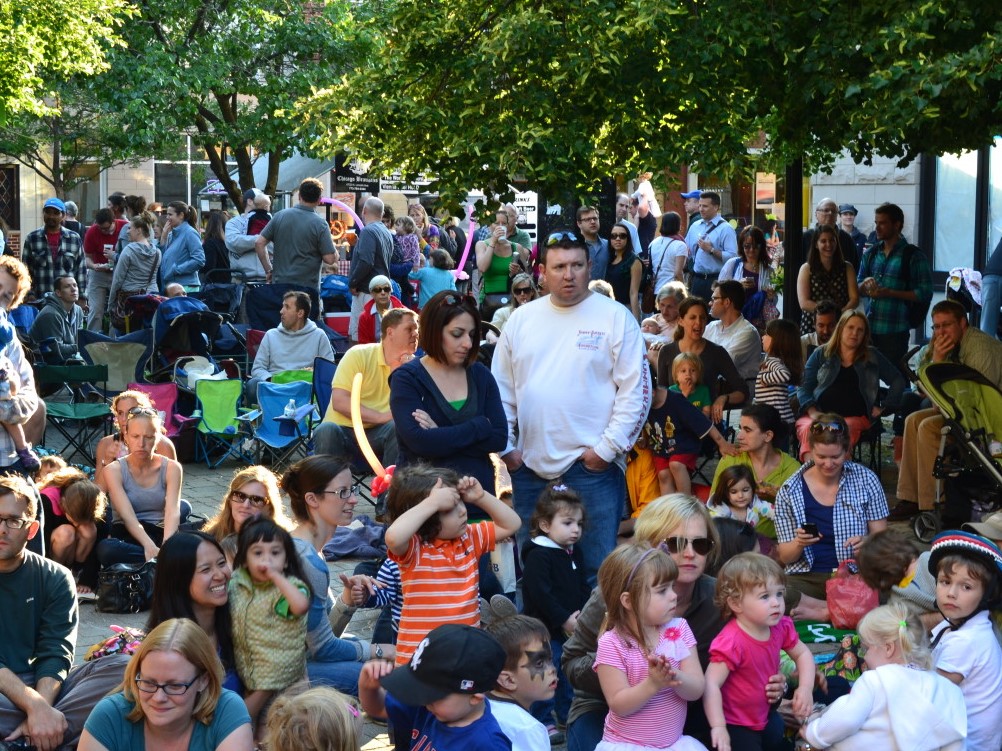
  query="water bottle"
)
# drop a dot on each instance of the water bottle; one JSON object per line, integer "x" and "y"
{"x": 290, "y": 409}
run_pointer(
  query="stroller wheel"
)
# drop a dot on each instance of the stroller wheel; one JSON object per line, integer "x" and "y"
{"x": 925, "y": 526}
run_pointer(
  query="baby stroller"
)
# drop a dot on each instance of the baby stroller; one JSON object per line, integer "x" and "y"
{"x": 970, "y": 467}
{"x": 182, "y": 327}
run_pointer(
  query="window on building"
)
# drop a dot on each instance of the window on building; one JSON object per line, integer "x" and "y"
{"x": 956, "y": 186}
{"x": 86, "y": 194}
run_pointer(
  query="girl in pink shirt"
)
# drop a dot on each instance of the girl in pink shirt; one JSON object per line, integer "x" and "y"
{"x": 745, "y": 654}
{"x": 646, "y": 659}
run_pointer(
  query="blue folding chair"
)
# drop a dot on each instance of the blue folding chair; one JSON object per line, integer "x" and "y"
{"x": 279, "y": 437}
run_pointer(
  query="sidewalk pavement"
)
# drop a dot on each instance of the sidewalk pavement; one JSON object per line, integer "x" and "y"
{"x": 205, "y": 488}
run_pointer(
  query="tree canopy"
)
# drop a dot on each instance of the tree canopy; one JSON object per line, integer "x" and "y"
{"x": 228, "y": 74}
{"x": 562, "y": 92}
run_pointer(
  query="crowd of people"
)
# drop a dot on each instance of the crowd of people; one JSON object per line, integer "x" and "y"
{"x": 651, "y": 618}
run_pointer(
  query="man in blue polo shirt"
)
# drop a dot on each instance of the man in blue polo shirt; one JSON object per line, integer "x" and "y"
{"x": 711, "y": 242}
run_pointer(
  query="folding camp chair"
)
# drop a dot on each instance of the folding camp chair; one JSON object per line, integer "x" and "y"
{"x": 125, "y": 357}
{"x": 80, "y": 421}
{"x": 279, "y": 437}
{"x": 219, "y": 431}
{"x": 323, "y": 377}
{"x": 179, "y": 429}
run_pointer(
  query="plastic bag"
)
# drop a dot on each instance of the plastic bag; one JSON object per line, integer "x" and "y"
{"x": 503, "y": 563}
{"x": 849, "y": 599}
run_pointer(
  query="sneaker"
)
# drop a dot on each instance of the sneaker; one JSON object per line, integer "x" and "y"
{"x": 904, "y": 511}
{"x": 86, "y": 596}
{"x": 29, "y": 460}
{"x": 557, "y": 737}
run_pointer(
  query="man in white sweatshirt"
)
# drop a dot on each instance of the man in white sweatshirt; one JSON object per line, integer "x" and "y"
{"x": 292, "y": 345}
{"x": 576, "y": 390}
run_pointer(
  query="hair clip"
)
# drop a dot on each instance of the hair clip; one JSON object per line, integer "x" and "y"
{"x": 560, "y": 488}
{"x": 903, "y": 624}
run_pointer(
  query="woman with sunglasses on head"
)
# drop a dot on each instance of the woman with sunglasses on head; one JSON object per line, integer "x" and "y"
{"x": 112, "y": 447}
{"x": 822, "y": 514}
{"x": 253, "y": 492}
{"x": 844, "y": 377}
{"x": 682, "y": 523}
{"x": 523, "y": 290}
{"x": 172, "y": 697}
{"x": 322, "y": 498}
{"x": 625, "y": 268}
{"x": 145, "y": 493}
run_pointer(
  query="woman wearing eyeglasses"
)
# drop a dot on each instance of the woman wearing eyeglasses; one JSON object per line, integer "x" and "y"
{"x": 683, "y": 524}
{"x": 844, "y": 377}
{"x": 145, "y": 493}
{"x": 625, "y": 268}
{"x": 823, "y": 512}
{"x": 322, "y": 498}
{"x": 113, "y": 447}
{"x": 171, "y": 698}
{"x": 253, "y": 492}
{"x": 523, "y": 290}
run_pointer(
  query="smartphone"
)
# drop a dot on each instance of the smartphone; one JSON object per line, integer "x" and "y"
{"x": 810, "y": 528}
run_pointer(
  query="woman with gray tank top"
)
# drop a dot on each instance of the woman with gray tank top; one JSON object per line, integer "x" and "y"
{"x": 145, "y": 492}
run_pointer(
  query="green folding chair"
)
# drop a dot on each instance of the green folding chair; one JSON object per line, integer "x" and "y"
{"x": 87, "y": 416}
{"x": 219, "y": 431}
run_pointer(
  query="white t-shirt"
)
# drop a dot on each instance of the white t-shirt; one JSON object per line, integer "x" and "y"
{"x": 525, "y": 732}
{"x": 974, "y": 652}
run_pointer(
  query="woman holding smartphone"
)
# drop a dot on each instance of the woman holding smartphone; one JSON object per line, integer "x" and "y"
{"x": 823, "y": 512}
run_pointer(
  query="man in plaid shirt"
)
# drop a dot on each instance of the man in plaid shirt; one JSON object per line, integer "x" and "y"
{"x": 52, "y": 251}
{"x": 890, "y": 286}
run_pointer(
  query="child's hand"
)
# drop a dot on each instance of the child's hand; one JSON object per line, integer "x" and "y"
{"x": 803, "y": 700}
{"x": 372, "y": 671}
{"x": 443, "y": 498}
{"x": 661, "y": 672}
{"x": 720, "y": 739}
{"x": 470, "y": 490}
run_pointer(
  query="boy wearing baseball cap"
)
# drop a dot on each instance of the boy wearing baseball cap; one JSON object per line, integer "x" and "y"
{"x": 438, "y": 697}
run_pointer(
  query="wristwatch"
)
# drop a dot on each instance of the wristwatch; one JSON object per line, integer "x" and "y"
{"x": 379, "y": 651}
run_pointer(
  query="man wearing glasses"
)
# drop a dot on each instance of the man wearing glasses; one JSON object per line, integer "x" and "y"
{"x": 826, "y": 212}
{"x": 576, "y": 389}
{"x": 598, "y": 247}
{"x": 42, "y": 701}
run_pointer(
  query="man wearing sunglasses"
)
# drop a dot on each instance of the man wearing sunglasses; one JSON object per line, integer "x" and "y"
{"x": 572, "y": 376}
{"x": 42, "y": 701}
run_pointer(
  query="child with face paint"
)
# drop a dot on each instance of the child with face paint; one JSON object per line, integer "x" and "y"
{"x": 528, "y": 676}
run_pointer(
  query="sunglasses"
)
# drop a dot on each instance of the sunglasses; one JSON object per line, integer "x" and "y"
{"x": 257, "y": 501}
{"x": 377, "y": 290}
{"x": 559, "y": 237}
{"x": 818, "y": 428}
{"x": 453, "y": 301}
{"x": 700, "y": 545}
{"x": 618, "y": 236}
{"x": 522, "y": 290}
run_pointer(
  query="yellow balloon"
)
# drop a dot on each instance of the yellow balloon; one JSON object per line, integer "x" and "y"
{"x": 356, "y": 423}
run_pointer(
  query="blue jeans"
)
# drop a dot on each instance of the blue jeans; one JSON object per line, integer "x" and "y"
{"x": 586, "y": 731}
{"x": 991, "y": 299}
{"x": 604, "y": 496}
{"x": 112, "y": 550}
{"x": 340, "y": 675}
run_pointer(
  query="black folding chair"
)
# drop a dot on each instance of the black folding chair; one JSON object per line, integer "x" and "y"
{"x": 87, "y": 416}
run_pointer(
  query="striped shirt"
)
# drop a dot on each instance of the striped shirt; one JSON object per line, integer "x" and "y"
{"x": 772, "y": 387}
{"x": 441, "y": 584}
{"x": 659, "y": 722}
{"x": 390, "y": 593}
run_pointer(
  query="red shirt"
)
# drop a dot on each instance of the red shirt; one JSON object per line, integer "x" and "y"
{"x": 95, "y": 241}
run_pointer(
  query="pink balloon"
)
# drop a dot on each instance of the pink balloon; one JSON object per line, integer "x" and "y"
{"x": 458, "y": 271}
{"x": 359, "y": 224}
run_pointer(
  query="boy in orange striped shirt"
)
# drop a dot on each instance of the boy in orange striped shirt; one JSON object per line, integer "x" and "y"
{"x": 437, "y": 551}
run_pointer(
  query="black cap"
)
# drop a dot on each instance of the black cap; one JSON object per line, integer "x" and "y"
{"x": 452, "y": 659}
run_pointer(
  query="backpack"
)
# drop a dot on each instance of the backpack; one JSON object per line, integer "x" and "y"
{"x": 918, "y": 309}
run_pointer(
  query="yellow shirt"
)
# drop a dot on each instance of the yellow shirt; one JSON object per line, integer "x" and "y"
{"x": 368, "y": 360}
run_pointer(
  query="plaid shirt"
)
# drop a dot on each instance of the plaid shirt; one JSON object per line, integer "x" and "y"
{"x": 37, "y": 256}
{"x": 860, "y": 499}
{"x": 889, "y": 315}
